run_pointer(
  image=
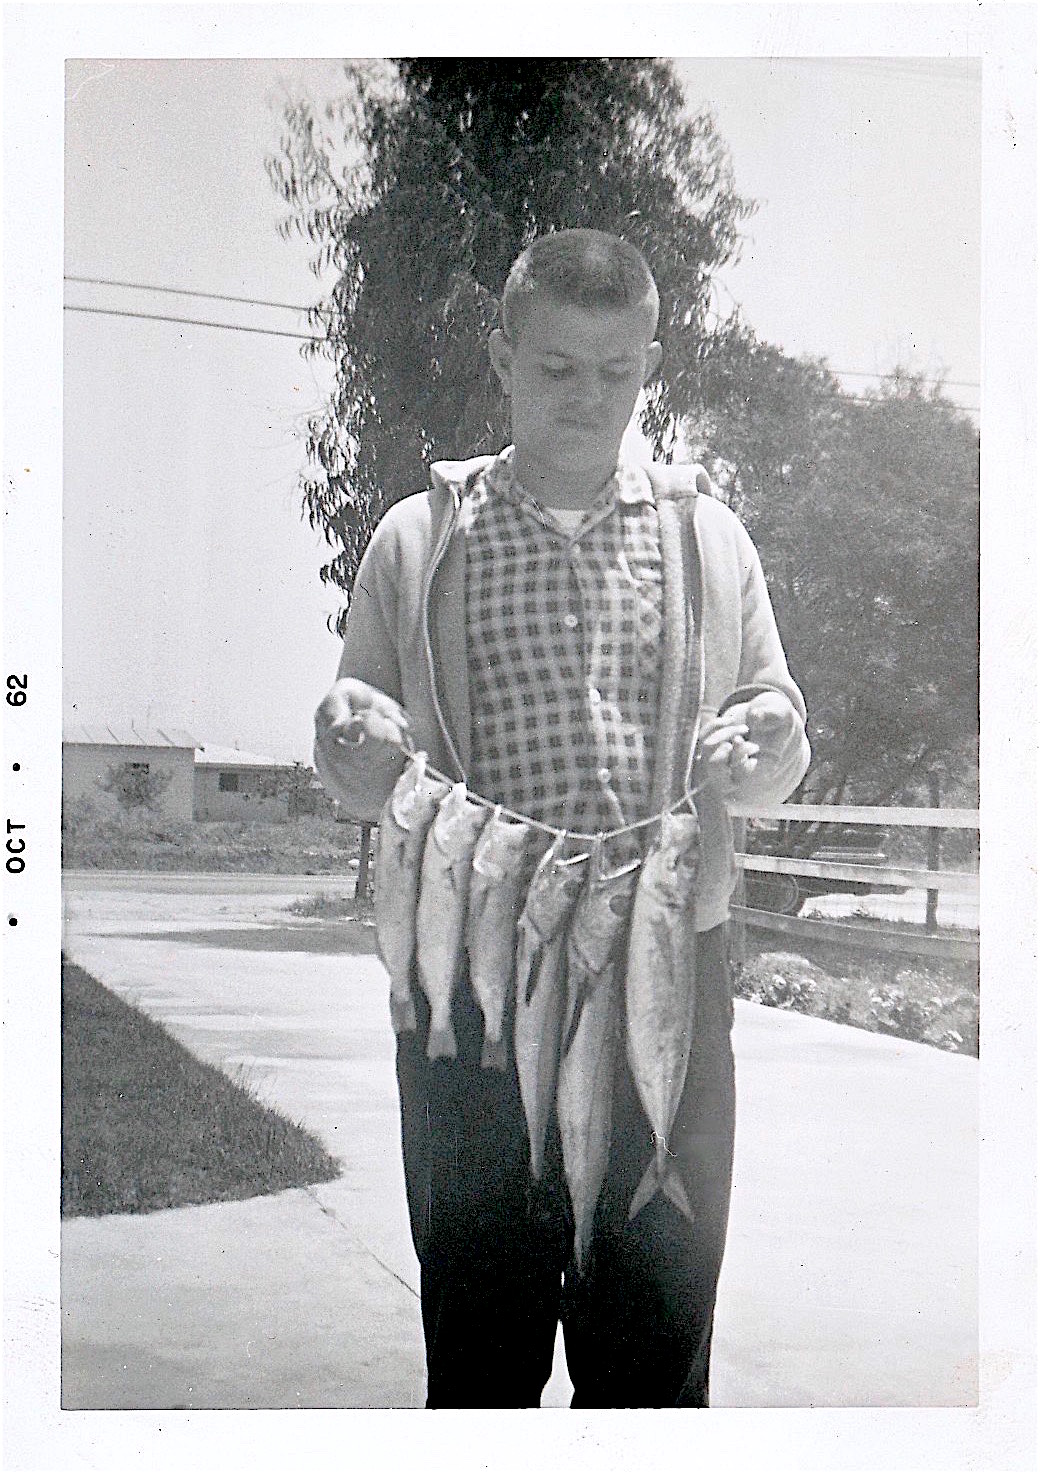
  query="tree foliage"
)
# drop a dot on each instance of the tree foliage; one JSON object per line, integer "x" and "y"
{"x": 866, "y": 516}
{"x": 418, "y": 189}
{"x": 135, "y": 785}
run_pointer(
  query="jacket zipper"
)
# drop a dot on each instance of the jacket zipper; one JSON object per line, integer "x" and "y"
{"x": 700, "y": 648}
{"x": 435, "y": 561}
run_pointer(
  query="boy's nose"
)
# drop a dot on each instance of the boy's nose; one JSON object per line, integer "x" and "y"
{"x": 588, "y": 390}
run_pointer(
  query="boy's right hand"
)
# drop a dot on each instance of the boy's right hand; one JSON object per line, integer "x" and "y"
{"x": 354, "y": 712}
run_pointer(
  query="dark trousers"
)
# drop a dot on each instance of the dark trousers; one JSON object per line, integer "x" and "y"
{"x": 494, "y": 1247}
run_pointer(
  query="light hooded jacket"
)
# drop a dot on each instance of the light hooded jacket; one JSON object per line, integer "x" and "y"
{"x": 406, "y": 635}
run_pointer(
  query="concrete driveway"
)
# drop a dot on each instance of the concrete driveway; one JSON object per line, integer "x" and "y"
{"x": 851, "y": 1271}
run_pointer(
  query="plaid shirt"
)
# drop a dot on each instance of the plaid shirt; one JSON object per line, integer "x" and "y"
{"x": 563, "y": 640}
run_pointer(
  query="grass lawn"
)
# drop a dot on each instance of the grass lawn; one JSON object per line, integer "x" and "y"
{"x": 146, "y": 1125}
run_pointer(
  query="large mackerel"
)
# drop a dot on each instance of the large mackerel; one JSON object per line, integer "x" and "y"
{"x": 585, "y": 1086}
{"x": 660, "y": 994}
{"x": 441, "y": 916}
{"x": 495, "y": 897}
{"x": 400, "y": 839}
{"x": 540, "y": 999}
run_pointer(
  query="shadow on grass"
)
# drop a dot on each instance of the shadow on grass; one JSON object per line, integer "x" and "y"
{"x": 339, "y": 938}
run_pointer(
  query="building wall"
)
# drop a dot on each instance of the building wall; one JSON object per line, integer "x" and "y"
{"x": 213, "y": 802}
{"x": 84, "y": 764}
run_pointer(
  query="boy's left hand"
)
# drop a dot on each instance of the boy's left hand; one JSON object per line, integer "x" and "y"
{"x": 746, "y": 736}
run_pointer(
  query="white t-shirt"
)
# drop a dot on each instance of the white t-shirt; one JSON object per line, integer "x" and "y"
{"x": 569, "y": 518}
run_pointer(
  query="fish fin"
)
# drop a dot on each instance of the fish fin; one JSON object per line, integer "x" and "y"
{"x": 645, "y": 1191}
{"x": 669, "y": 1183}
{"x": 402, "y": 1014}
{"x": 675, "y": 1192}
{"x": 581, "y": 997}
{"x": 532, "y": 978}
{"x": 441, "y": 1043}
{"x": 495, "y": 1055}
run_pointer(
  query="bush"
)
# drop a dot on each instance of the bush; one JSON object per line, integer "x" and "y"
{"x": 314, "y": 844}
{"x": 935, "y": 1004}
{"x": 135, "y": 785}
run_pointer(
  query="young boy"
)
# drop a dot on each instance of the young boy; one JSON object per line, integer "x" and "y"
{"x": 578, "y": 638}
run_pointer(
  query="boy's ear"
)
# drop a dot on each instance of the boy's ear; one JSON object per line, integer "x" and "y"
{"x": 500, "y": 351}
{"x": 654, "y": 354}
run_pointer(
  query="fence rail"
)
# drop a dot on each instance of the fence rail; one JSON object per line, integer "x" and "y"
{"x": 891, "y": 818}
{"x": 882, "y": 937}
{"x": 959, "y": 882}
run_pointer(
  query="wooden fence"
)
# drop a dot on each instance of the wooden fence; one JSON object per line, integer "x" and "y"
{"x": 878, "y": 936}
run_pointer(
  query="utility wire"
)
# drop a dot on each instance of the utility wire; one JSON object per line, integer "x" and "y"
{"x": 868, "y": 374}
{"x": 137, "y": 286}
{"x": 236, "y": 327}
{"x": 197, "y": 322}
{"x": 140, "y": 286}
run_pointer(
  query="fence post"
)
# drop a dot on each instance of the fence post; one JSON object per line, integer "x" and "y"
{"x": 737, "y": 928}
{"x": 361, "y": 889}
{"x": 934, "y": 850}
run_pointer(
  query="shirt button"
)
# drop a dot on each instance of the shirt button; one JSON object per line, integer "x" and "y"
{"x": 604, "y": 775}
{"x": 594, "y": 696}
{"x": 571, "y": 621}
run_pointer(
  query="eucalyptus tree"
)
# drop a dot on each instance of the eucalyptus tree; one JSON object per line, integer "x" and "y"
{"x": 417, "y": 189}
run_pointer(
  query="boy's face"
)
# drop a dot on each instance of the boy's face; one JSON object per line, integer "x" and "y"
{"x": 573, "y": 375}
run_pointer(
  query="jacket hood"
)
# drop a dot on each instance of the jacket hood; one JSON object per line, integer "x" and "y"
{"x": 449, "y": 480}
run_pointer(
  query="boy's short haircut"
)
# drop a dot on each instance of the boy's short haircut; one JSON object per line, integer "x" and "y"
{"x": 582, "y": 268}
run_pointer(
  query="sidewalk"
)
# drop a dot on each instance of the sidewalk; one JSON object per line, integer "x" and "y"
{"x": 850, "y": 1276}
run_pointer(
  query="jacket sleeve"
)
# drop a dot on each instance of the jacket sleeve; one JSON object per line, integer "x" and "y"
{"x": 763, "y": 667}
{"x": 362, "y": 777}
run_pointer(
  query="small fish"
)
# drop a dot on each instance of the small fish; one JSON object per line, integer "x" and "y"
{"x": 660, "y": 994}
{"x": 584, "y": 1090}
{"x": 441, "y": 915}
{"x": 400, "y": 839}
{"x": 540, "y": 998}
{"x": 495, "y": 897}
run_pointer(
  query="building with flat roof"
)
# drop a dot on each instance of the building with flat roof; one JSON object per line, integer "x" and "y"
{"x": 95, "y": 758}
{"x": 231, "y": 784}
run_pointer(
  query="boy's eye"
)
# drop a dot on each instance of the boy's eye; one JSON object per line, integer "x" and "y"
{"x": 555, "y": 370}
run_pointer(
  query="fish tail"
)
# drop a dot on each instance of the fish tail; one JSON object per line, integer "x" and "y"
{"x": 582, "y": 1240}
{"x": 441, "y": 1043}
{"x": 675, "y": 1192}
{"x": 495, "y": 1055}
{"x": 402, "y": 1012}
{"x": 648, "y": 1186}
{"x": 666, "y": 1181}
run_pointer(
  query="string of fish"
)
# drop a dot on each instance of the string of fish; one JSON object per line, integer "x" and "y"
{"x": 450, "y": 881}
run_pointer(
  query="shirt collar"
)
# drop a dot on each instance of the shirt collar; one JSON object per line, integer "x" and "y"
{"x": 630, "y": 484}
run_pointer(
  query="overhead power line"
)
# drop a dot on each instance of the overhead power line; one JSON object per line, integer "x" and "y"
{"x": 138, "y": 286}
{"x": 196, "y": 322}
{"x": 873, "y": 374}
{"x": 235, "y": 327}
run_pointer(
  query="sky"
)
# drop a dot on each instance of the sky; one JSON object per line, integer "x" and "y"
{"x": 191, "y": 591}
